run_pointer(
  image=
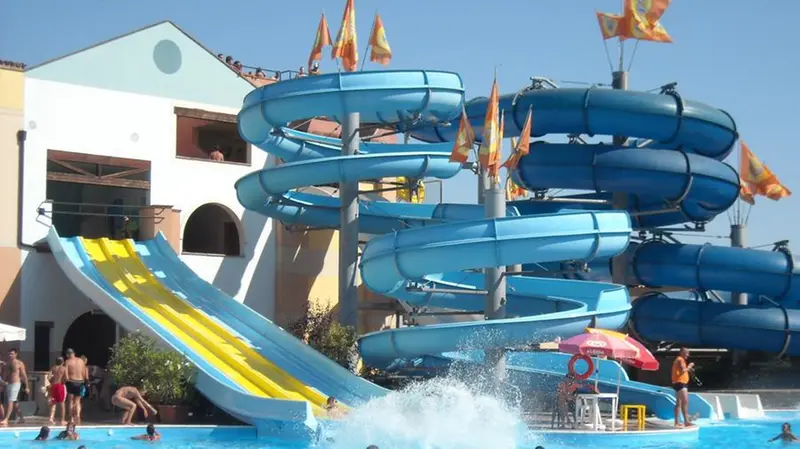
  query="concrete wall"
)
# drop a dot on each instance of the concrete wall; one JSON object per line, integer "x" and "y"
{"x": 82, "y": 119}
{"x": 12, "y": 99}
{"x": 308, "y": 260}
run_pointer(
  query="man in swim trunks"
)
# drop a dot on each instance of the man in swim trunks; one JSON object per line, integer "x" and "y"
{"x": 680, "y": 383}
{"x": 16, "y": 377}
{"x": 127, "y": 398}
{"x": 77, "y": 379}
{"x": 58, "y": 390}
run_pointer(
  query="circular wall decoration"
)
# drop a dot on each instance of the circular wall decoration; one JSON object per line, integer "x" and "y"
{"x": 167, "y": 56}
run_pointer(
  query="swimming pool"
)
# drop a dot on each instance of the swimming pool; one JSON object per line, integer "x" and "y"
{"x": 712, "y": 436}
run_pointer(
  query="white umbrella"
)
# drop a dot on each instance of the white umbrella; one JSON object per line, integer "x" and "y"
{"x": 11, "y": 333}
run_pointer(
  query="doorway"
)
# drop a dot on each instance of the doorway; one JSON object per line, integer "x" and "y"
{"x": 92, "y": 334}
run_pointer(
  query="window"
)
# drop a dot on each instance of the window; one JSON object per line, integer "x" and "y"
{"x": 212, "y": 229}
{"x": 199, "y": 133}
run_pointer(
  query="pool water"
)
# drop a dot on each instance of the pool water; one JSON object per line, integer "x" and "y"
{"x": 738, "y": 434}
{"x": 734, "y": 434}
{"x": 442, "y": 413}
{"x": 730, "y": 434}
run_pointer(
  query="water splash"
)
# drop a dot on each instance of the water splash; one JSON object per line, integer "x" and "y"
{"x": 442, "y": 413}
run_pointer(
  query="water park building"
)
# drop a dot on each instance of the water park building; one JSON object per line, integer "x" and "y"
{"x": 125, "y": 147}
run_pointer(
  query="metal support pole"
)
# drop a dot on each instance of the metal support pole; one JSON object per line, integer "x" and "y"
{"x": 495, "y": 283}
{"x": 483, "y": 182}
{"x": 737, "y": 241}
{"x": 348, "y": 229}
{"x": 619, "y": 200}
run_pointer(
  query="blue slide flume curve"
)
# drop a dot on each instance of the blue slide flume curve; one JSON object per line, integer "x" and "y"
{"x": 677, "y": 178}
{"x": 450, "y": 238}
{"x": 455, "y": 237}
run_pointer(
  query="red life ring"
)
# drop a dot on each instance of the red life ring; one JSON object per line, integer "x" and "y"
{"x": 589, "y": 369}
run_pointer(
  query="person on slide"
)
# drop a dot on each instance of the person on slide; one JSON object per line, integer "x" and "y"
{"x": 127, "y": 398}
{"x": 680, "y": 383}
{"x": 333, "y": 409}
{"x": 786, "y": 436}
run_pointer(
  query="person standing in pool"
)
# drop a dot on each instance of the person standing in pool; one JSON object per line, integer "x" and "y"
{"x": 44, "y": 434}
{"x": 786, "y": 435}
{"x": 680, "y": 383}
{"x": 151, "y": 434}
{"x": 77, "y": 379}
{"x": 16, "y": 377}
{"x": 69, "y": 433}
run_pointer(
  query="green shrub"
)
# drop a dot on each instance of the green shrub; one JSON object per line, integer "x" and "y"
{"x": 166, "y": 376}
{"x": 319, "y": 328}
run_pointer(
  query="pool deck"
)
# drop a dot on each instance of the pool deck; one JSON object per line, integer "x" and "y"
{"x": 543, "y": 421}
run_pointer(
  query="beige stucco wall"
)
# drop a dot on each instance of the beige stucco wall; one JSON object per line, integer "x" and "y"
{"x": 12, "y": 82}
{"x": 307, "y": 266}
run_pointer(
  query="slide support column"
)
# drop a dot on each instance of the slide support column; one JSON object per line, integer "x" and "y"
{"x": 619, "y": 200}
{"x": 483, "y": 181}
{"x": 495, "y": 305}
{"x": 738, "y": 241}
{"x": 348, "y": 230}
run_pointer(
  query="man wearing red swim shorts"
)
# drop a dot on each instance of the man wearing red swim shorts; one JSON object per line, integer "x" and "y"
{"x": 58, "y": 390}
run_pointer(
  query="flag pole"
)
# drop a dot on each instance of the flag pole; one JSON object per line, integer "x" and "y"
{"x": 619, "y": 200}
{"x": 369, "y": 42}
{"x": 621, "y": 65}
{"x": 494, "y": 277}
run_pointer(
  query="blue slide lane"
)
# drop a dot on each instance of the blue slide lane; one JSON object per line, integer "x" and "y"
{"x": 270, "y": 340}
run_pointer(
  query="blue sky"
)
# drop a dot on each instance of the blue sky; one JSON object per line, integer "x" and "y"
{"x": 731, "y": 55}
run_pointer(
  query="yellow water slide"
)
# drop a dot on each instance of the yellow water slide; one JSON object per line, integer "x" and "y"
{"x": 119, "y": 263}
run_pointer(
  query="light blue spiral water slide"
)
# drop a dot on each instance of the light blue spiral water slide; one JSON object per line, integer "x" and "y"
{"x": 680, "y": 178}
{"x": 425, "y": 243}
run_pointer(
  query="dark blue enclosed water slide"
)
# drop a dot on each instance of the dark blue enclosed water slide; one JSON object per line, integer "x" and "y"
{"x": 770, "y": 325}
{"x": 681, "y": 170}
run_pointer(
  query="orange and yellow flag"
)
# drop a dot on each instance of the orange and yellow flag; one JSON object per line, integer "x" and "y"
{"x": 757, "y": 179}
{"x": 637, "y": 28}
{"x": 520, "y": 147}
{"x": 650, "y": 10}
{"x": 490, "y": 145}
{"x": 494, "y": 164}
{"x": 513, "y": 190}
{"x": 609, "y": 24}
{"x": 465, "y": 140}
{"x": 322, "y": 40}
{"x": 346, "y": 45}
{"x": 380, "y": 51}
{"x": 640, "y": 20}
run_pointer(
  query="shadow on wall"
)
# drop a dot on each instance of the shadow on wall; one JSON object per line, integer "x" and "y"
{"x": 10, "y": 303}
{"x": 262, "y": 284}
{"x": 300, "y": 266}
{"x": 50, "y": 297}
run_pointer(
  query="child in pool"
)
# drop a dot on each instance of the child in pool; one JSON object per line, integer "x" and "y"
{"x": 68, "y": 433}
{"x": 786, "y": 435}
{"x": 44, "y": 434}
{"x": 150, "y": 434}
